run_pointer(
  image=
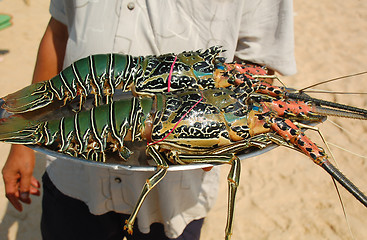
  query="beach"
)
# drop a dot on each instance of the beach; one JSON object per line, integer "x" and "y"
{"x": 282, "y": 193}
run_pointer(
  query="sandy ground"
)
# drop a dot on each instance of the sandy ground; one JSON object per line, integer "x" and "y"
{"x": 282, "y": 195}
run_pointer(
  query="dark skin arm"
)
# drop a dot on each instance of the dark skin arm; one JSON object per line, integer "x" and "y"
{"x": 18, "y": 169}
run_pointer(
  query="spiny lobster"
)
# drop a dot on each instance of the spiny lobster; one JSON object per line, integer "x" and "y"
{"x": 227, "y": 110}
{"x": 101, "y": 75}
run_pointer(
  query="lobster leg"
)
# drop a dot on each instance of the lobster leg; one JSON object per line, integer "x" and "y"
{"x": 233, "y": 179}
{"x": 149, "y": 185}
{"x": 233, "y": 182}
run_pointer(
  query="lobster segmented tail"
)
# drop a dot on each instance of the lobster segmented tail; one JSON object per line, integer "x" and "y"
{"x": 30, "y": 98}
{"x": 87, "y": 134}
{"x": 15, "y": 129}
{"x": 99, "y": 75}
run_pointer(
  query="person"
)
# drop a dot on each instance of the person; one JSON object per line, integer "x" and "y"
{"x": 87, "y": 202}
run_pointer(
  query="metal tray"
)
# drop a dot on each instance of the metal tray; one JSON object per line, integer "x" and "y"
{"x": 141, "y": 163}
{"x": 138, "y": 161}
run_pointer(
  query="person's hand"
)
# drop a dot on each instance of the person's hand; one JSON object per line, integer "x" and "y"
{"x": 17, "y": 175}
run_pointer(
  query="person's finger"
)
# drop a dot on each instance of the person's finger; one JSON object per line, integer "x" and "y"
{"x": 35, "y": 185}
{"x": 11, "y": 191}
{"x": 25, "y": 186}
{"x": 34, "y": 191}
{"x": 24, "y": 197}
{"x": 14, "y": 200}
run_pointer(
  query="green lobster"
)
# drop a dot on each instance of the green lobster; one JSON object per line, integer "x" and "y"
{"x": 210, "y": 123}
{"x": 101, "y": 75}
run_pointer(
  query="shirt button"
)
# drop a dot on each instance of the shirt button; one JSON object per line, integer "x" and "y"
{"x": 118, "y": 180}
{"x": 130, "y": 5}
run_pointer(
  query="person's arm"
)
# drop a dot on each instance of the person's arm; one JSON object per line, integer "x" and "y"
{"x": 18, "y": 169}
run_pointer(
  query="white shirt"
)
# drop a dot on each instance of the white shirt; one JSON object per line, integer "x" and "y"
{"x": 260, "y": 31}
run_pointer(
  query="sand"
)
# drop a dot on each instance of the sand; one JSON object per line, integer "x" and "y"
{"x": 282, "y": 194}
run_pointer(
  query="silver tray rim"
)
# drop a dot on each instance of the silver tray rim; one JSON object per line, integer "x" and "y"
{"x": 114, "y": 166}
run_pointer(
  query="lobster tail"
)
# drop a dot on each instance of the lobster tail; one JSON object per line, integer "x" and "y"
{"x": 32, "y": 97}
{"x": 15, "y": 129}
{"x": 345, "y": 182}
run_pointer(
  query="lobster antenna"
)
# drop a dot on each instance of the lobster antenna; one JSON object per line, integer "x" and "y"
{"x": 333, "y": 79}
{"x": 343, "y": 208}
{"x": 321, "y": 102}
{"x": 346, "y": 132}
{"x": 271, "y": 77}
{"x": 346, "y": 150}
{"x": 333, "y": 92}
{"x": 301, "y": 125}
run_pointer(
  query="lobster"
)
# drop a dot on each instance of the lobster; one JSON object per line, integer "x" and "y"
{"x": 210, "y": 123}
{"x": 101, "y": 75}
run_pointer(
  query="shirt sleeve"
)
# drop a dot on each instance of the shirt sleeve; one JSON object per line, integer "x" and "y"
{"x": 266, "y": 35}
{"x": 57, "y": 11}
